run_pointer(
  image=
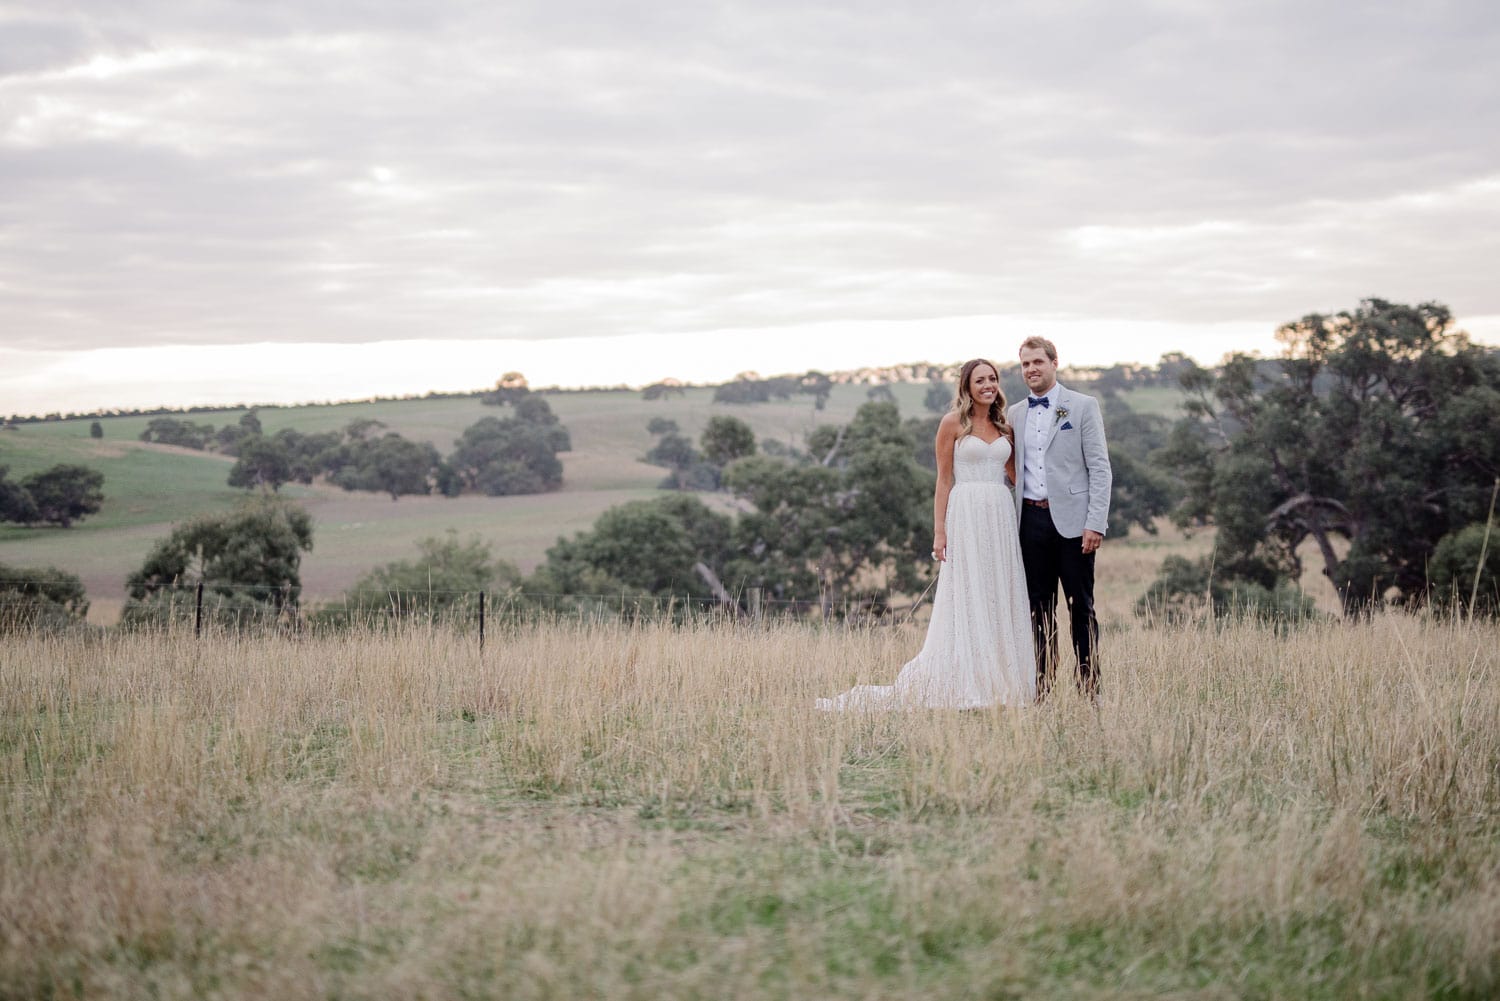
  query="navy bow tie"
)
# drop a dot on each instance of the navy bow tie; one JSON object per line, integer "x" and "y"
{"x": 1032, "y": 401}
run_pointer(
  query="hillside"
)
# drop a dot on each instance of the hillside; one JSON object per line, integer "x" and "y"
{"x": 149, "y": 487}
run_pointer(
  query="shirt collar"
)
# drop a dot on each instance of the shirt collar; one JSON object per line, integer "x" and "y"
{"x": 1052, "y": 394}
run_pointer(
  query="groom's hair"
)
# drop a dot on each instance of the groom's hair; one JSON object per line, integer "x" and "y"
{"x": 1040, "y": 342}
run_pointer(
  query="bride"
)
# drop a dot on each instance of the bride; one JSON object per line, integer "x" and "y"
{"x": 978, "y": 650}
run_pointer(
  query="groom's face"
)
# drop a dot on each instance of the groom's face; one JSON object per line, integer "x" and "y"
{"x": 1037, "y": 370}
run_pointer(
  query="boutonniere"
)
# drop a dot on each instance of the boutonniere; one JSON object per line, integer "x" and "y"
{"x": 1060, "y": 414}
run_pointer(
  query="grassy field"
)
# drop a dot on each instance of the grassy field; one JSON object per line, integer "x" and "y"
{"x": 648, "y": 812}
{"x": 606, "y": 810}
{"x": 148, "y": 488}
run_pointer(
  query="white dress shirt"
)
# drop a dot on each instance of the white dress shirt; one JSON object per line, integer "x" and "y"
{"x": 1038, "y": 423}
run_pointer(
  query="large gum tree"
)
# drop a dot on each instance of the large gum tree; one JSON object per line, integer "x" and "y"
{"x": 1375, "y": 435}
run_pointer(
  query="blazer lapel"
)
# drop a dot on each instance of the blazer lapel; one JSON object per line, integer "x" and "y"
{"x": 1059, "y": 401}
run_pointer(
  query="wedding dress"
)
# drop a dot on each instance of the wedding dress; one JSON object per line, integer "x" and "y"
{"x": 978, "y": 650}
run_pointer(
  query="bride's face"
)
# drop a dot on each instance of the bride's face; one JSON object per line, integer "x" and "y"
{"x": 984, "y": 385}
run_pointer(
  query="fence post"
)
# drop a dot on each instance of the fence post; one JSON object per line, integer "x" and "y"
{"x": 198, "y": 612}
{"x": 481, "y": 621}
{"x": 825, "y": 599}
{"x": 754, "y": 595}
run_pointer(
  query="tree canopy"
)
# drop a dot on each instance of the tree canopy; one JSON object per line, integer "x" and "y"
{"x": 641, "y": 548}
{"x": 263, "y": 462}
{"x": 500, "y": 456}
{"x": 725, "y": 439}
{"x": 178, "y": 431}
{"x": 249, "y": 559}
{"x": 389, "y": 464}
{"x": 15, "y": 502}
{"x": 1373, "y": 436}
{"x": 511, "y": 388}
{"x": 57, "y": 496}
{"x": 446, "y": 577}
{"x": 40, "y": 599}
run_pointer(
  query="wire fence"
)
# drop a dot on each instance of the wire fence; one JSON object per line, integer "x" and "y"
{"x": 212, "y": 606}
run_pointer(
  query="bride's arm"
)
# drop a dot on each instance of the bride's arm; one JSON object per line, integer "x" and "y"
{"x": 947, "y": 434}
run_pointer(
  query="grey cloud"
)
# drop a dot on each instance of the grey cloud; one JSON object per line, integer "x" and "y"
{"x": 381, "y": 169}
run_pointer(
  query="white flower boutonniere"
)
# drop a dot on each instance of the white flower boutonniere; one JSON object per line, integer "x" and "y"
{"x": 1060, "y": 414}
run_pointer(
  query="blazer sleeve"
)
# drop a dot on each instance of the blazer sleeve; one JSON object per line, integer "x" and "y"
{"x": 1096, "y": 460}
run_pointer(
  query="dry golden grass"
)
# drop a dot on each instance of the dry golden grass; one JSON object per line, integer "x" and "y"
{"x": 645, "y": 812}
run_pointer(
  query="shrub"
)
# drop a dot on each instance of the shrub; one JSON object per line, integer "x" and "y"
{"x": 1183, "y": 593}
{"x": 40, "y": 599}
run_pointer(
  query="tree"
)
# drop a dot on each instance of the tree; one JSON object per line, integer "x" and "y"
{"x": 881, "y": 394}
{"x": 923, "y": 432}
{"x": 641, "y": 548}
{"x": 843, "y": 530}
{"x": 499, "y": 457}
{"x": 15, "y": 502}
{"x": 817, "y": 385}
{"x": 1376, "y": 427}
{"x": 231, "y": 437}
{"x": 248, "y": 559}
{"x": 1139, "y": 494}
{"x": 390, "y": 464}
{"x": 725, "y": 439}
{"x": 743, "y": 389}
{"x": 938, "y": 398}
{"x": 676, "y": 452}
{"x": 310, "y": 455}
{"x": 662, "y": 390}
{"x": 1143, "y": 491}
{"x": 446, "y": 578}
{"x": 1466, "y": 571}
{"x": 1189, "y": 591}
{"x": 182, "y": 433}
{"x": 361, "y": 428}
{"x": 65, "y": 493}
{"x": 40, "y": 599}
{"x": 96, "y": 430}
{"x": 511, "y": 388}
{"x": 263, "y": 462}
{"x": 535, "y": 410}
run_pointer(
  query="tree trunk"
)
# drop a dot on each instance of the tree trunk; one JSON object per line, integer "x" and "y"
{"x": 1330, "y": 563}
{"x": 715, "y": 585}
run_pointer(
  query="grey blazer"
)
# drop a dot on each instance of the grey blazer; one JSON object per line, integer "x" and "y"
{"x": 1077, "y": 462}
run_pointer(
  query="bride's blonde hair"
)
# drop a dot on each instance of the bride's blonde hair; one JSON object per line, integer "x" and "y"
{"x": 963, "y": 403}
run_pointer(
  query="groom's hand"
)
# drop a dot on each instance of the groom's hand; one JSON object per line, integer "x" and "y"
{"x": 1091, "y": 541}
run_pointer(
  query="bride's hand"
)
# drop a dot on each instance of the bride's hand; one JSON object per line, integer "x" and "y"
{"x": 940, "y": 547}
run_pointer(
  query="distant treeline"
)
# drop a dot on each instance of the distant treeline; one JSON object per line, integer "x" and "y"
{"x": 496, "y": 456}
{"x": 222, "y": 407}
{"x": 746, "y": 387}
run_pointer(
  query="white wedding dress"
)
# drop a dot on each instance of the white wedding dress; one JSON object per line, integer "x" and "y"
{"x": 978, "y": 650}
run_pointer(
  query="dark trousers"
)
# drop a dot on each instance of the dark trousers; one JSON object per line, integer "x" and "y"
{"x": 1051, "y": 559}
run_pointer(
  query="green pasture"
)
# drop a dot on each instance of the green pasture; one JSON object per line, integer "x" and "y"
{"x": 149, "y": 488}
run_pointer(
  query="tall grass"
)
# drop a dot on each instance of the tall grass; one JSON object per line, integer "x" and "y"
{"x": 648, "y": 811}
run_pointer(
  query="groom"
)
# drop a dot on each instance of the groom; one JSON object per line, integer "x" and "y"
{"x": 1063, "y": 481}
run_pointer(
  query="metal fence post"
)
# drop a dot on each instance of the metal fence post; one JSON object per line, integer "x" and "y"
{"x": 481, "y": 621}
{"x": 198, "y": 612}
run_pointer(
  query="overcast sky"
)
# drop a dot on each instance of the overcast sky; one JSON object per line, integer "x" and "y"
{"x": 219, "y": 191}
